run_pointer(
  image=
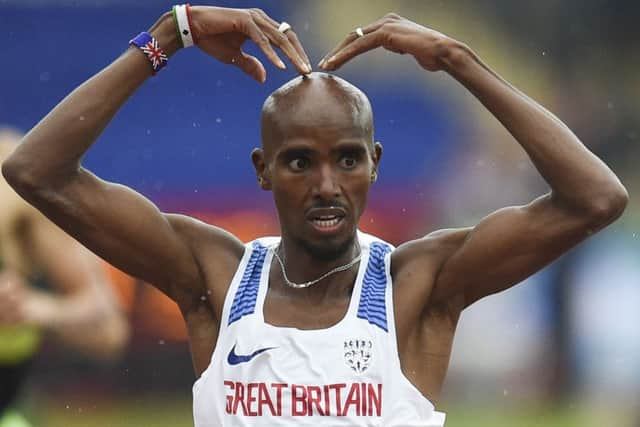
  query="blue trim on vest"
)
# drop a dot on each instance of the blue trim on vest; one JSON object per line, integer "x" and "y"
{"x": 244, "y": 302}
{"x": 372, "y": 306}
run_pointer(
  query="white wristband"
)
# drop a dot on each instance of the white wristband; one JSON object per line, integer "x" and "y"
{"x": 183, "y": 25}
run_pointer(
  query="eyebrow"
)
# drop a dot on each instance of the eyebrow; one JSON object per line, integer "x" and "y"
{"x": 351, "y": 147}
{"x": 293, "y": 152}
{"x": 303, "y": 149}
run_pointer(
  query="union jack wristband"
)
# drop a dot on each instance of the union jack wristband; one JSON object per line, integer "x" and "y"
{"x": 150, "y": 47}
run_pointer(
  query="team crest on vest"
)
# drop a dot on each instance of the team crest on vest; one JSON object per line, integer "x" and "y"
{"x": 358, "y": 354}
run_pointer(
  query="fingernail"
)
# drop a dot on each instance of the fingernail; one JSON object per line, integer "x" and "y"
{"x": 281, "y": 64}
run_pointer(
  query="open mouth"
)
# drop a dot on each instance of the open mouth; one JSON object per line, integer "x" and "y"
{"x": 326, "y": 219}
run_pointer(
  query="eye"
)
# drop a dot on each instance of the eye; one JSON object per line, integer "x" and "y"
{"x": 299, "y": 164}
{"x": 348, "y": 162}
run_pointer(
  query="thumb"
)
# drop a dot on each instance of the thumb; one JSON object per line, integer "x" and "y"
{"x": 250, "y": 65}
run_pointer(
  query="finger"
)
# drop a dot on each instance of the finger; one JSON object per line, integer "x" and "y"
{"x": 283, "y": 42}
{"x": 291, "y": 35}
{"x": 356, "y": 47}
{"x": 351, "y": 37}
{"x": 348, "y": 39}
{"x": 293, "y": 38}
{"x": 250, "y": 65}
{"x": 263, "y": 42}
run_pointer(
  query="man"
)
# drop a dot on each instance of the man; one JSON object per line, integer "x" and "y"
{"x": 80, "y": 309}
{"x": 302, "y": 336}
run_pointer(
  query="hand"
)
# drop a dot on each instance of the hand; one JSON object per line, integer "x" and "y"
{"x": 221, "y": 32}
{"x": 19, "y": 305}
{"x": 393, "y": 33}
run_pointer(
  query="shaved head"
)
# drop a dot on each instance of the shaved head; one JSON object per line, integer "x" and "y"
{"x": 318, "y": 158}
{"x": 320, "y": 101}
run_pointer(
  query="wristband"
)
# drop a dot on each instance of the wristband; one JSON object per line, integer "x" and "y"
{"x": 193, "y": 33}
{"x": 181, "y": 14}
{"x": 175, "y": 23}
{"x": 150, "y": 47}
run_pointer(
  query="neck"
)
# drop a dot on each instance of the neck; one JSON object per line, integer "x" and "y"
{"x": 302, "y": 266}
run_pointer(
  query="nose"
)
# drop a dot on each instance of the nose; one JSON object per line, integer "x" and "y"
{"x": 325, "y": 183}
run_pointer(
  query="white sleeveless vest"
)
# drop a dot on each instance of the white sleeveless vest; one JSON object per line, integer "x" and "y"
{"x": 346, "y": 375}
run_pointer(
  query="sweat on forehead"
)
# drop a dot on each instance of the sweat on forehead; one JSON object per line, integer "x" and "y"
{"x": 315, "y": 100}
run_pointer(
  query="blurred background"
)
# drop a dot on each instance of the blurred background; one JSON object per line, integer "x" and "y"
{"x": 561, "y": 349}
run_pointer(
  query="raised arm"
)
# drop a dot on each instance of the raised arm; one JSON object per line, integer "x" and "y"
{"x": 512, "y": 243}
{"x": 115, "y": 222}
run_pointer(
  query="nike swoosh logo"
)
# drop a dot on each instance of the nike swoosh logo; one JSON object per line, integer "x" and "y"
{"x": 236, "y": 359}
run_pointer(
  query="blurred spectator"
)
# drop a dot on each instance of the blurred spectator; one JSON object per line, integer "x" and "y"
{"x": 79, "y": 307}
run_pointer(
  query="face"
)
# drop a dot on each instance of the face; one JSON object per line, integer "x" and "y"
{"x": 318, "y": 160}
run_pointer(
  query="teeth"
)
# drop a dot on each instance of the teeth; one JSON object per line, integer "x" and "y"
{"x": 326, "y": 223}
{"x": 327, "y": 217}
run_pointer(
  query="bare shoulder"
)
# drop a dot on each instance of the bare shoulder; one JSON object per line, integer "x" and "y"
{"x": 415, "y": 266}
{"x": 216, "y": 251}
{"x": 430, "y": 250}
{"x": 203, "y": 236}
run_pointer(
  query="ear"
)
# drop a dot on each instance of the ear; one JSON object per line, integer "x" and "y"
{"x": 376, "y": 155}
{"x": 257, "y": 157}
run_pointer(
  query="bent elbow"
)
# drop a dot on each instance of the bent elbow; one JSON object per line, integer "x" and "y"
{"x": 10, "y": 171}
{"x": 18, "y": 176}
{"x": 608, "y": 207}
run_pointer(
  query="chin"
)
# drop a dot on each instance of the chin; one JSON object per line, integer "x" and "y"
{"x": 329, "y": 249}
